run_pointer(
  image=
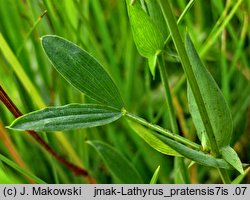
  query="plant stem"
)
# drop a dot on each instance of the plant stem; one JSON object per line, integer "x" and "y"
{"x": 17, "y": 113}
{"x": 163, "y": 131}
{"x": 169, "y": 18}
{"x": 224, "y": 176}
{"x": 170, "y": 107}
{"x": 179, "y": 165}
{"x": 30, "y": 32}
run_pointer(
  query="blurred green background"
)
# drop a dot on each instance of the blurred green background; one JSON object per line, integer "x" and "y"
{"x": 220, "y": 30}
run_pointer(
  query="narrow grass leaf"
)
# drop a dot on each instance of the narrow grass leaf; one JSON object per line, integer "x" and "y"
{"x": 216, "y": 33}
{"x": 152, "y": 140}
{"x": 20, "y": 72}
{"x": 81, "y": 70}
{"x": 216, "y": 106}
{"x": 66, "y": 117}
{"x": 240, "y": 178}
{"x": 229, "y": 155}
{"x": 7, "y": 179}
{"x": 21, "y": 170}
{"x": 155, "y": 176}
{"x": 117, "y": 164}
{"x": 147, "y": 36}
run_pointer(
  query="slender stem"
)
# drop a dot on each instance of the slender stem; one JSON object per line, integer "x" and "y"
{"x": 224, "y": 176}
{"x": 30, "y": 32}
{"x": 169, "y": 18}
{"x": 163, "y": 131}
{"x": 17, "y": 113}
{"x": 170, "y": 107}
{"x": 179, "y": 164}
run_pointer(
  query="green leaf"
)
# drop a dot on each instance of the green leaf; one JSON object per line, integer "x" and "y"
{"x": 118, "y": 165}
{"x": 148, "y": 38}
{"x": 66, "y": 117}
{"x": 82, "y": 70}
{"x": 155, "y": 176}
{"x": 155, "y": 14}
{"x": 152, "y": 140}
{"x": 216, "y": 106}
{"x": 197, "y": 156}
{"x": 170, "y": 147}
{"x": 232, "y": 158}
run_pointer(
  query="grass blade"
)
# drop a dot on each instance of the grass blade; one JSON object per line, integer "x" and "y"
{"x": 7, "y": 179}
{"x": 82, "y": 70}
{"x": 20, "y": 170}
{"x": 155, "y": 176}
{"x": 216, "y": 33}
{"x": 67, "y": 117}
{"x": 240, "y": 178}
{"x": 19, "y": 70}
{"x": 118, "y": 165}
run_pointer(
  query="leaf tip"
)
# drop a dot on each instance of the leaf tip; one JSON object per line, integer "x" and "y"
{"x": 46, "y": 38}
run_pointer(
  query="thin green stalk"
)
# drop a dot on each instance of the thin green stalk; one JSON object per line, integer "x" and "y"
{"x": 150, "y": 111}
{"x": 211, "y": 40}
{"x": 224, "y": 176}
{"x": 224, "y": 69}
{"x": 222, "y": 16}
{"x": 239, "y": 47}
{"x": 187, "y": 8}
{"x": 169, "y": 17}
{"x": 30, "y": 32}
{"x": 170, "y": 107}
{"x": 163, "y": 131}
{"x": 179, "y": 165}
